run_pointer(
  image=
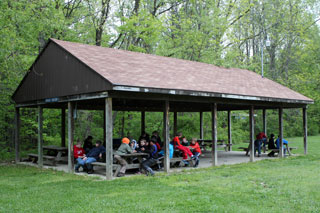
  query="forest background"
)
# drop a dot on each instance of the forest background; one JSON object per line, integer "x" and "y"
{"x": 229, "y": 33}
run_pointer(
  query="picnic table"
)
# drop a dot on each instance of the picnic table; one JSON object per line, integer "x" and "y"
{"x": 130, "y": 160}
{"x": 137, "y": 155}
{"x": 52, "y": 155}
{"x": 221, "y": 144}
{"x": 248, "y": 149}
{"x": 60, "y": 153}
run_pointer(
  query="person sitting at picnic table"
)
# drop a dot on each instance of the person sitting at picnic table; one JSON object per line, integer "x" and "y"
{"x": 257, "y": 145}
{"x": 185, "y": 150}
{"x": 142, "y": 148}
{"x": 123, "y": 149}
{"x": 133, "y": 143}
{"x": 171, "y": 150}
{"x": 79, "y": 154}
{"x": 271, "y": 145}
{"x": 93, "y": 156}
{"x": 285, "y": 143}
{"x": 184, "y": 141}
{"x": 87, "y": 146}
{"x": 156, "y": 134}
{"x": 154, "y": 138}
{"x": 147, "y": 144}
{"x": 145, "y": 136}
{"x": 196, "y": 150}
{"x": 152, "y": 159}
{"x": 263, "y": 139}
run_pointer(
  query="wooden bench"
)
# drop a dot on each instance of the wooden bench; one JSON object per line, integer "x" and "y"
{"x": 50, "y": 160}
{"x": 179, "y": 159}
{"x": 117, "y": 167}
{"x": 159, "y": 162}
{"x": 223, "y": 146}
{"x": 290, "y": 149}
{"x": 244, "y": 149}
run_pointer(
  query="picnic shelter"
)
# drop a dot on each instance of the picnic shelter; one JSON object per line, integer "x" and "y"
{"x": 68, "y": 75}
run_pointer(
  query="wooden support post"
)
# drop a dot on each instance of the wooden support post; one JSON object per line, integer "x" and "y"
{"x": 264, "y": 127}
{"x": 17, "y": 134}
{"x": 143, "y": 121}
{"x": 201, "y": 125}
{"x": 305, "y": 130}
{"x": 109, "y": 140}
{"x": 63, "y": 127}
{"x": 251, "y": 113}
{"x": 214, "y": 135}
{"x": 264, "y": 121}
{"x": 175, "y": 123}
{"x": 40, "y": 138}
{"x": 70, "y": 137}
{"x": 166, "y": 131}
{"x": 229, "y": 131}
{"x": 281, "y": 150}
{"x": 104, "y": 126}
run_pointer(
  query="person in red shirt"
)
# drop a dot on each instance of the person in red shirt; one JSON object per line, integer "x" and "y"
{"x": 196, "y": 150}
{"x": 263, "y": 139}
{"x": 78, "y": 153}
{"x": 185, "y": 150}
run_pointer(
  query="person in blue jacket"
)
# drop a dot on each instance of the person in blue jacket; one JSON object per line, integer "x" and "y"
{"x": 93, "y": 156}
{"x": 153, "y": 155}
{"x": 161, "y": 153}
{"x": 285, "y": 143}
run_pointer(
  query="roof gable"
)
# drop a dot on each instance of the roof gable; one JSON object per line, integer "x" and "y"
{"x": 57, "y": 73}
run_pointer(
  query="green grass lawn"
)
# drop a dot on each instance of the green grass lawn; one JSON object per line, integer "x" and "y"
{"x": 279, "y": 185}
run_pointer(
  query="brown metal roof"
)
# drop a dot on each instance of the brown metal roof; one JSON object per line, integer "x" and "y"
{"x": 134, "y": 69}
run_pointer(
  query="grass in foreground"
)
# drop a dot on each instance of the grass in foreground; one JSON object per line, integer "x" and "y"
{"x": 280, "y": 185}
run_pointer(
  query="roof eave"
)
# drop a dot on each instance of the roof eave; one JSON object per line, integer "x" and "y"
{"x": 125, "y": 88}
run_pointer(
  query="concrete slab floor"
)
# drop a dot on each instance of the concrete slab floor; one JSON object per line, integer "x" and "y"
{"x": 224, "y": 158}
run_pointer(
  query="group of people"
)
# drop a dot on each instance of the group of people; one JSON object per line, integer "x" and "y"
{"x": 87, "y": 154}
{"x": 262, "y": 141}
{"x": 192, "y": 150}
{"x": 153, "y": 146}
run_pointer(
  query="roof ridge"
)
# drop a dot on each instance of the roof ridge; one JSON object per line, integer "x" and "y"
{"x": 124, "y": 67}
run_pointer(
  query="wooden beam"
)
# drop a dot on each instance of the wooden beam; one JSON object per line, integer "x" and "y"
{"x": 214, "y": 135}
{"x": 109, "y": 141}
{"x": 40, "y": 138}
{"x": 201, "y": 125}
{"x": 17, "y": 134}
{"x": 70, "y": 137}
{"x": 229, "y": 131}
{"x": 264, "y": 121}
{"x": 63, "y": 127}
{"x": 281, "y": 153}
{"x": 305, "y": 130}
{"x": 65, "y": 99}
{"x": 143, "y": 121}
{"x": 251, "y": 117}
{"x": 175, "y": 123}
{"x": 166, "y": 132}
{"x": 173, "y": 93}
